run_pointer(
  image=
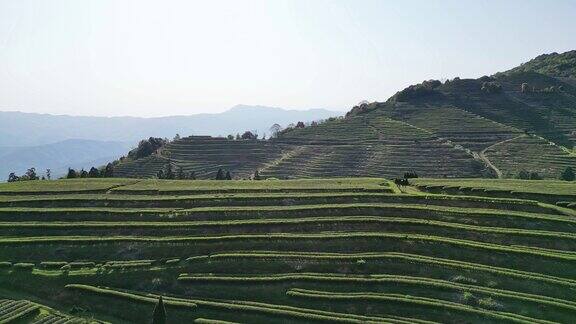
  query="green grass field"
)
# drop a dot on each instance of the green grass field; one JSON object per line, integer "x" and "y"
{"x": 350, "y": 250}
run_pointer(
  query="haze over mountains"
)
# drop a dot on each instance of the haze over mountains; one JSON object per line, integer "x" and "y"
{"x": 59, "y": 141}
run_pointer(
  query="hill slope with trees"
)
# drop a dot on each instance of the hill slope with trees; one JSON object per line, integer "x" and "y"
{"x": 522, "y": 121}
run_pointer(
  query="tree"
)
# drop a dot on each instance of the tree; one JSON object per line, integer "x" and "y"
{"x": 48, "y": 174}
{"x": 568, "y": 174}
{"x": 159, "y": 315}
{"x": 300, "y": 125}
{"x": 249, "y": 135}
{"x": 523, "y": 174}
{"x": 274, "y": 130}
{"x": 83, "y": 174}
{"x": 192, "y": 175}
{"x": 160, "y": 174}
{"x": 31, "y": 174}
{"x": 176, "y": 137}
{"x": 169, "y": 174}
{"x": 71, "y": 174}
{"x": 109, "y": 171}
{"x": 93, "y": 173}
{"x": 12, "y": 177}
{"x": 237, "y": 136}
{"x": 535, "y": 176}
{"x": 220, "y": 174}
{"x": 256, "y": 175}
{"x": 410, "y": 174}
{"x": 228, "y": 176}
{"x": 147, "y": 147}
{"x": 230, "y": 137}
{"x": 180, "y": 173}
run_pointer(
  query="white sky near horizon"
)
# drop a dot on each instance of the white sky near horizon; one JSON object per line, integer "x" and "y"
{"x": 168, "y": 57}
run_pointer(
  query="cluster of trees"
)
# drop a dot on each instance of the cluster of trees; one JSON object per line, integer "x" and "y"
{"x": 220, "y": 175}
{"x": 491, "y": 87}
{"x": 104, "y": 172}
{"x": 247, "y": 135}
{"x": 410, "y": 174}
{"x": 528, "y": 175}
{"x": 568, "y": 174}
{"x": 416, "y": 91}
{"x": 148, "y": 147}
{"x": 29, "y": 175}
{"x": 175, "y": 174}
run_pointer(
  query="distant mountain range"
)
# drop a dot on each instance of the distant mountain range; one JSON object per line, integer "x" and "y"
{"x": 58, "y": 141}
{"x": 59, "y": 156}
{"x": 28, "y": 129}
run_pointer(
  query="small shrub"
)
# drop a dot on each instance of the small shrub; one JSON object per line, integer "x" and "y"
{"x": 488, "y": 303}
{"x": 468, "y": 298}
{"x": 463, "y": 279}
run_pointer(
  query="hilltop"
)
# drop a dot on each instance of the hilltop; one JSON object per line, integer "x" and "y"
{"x": 499, "y": 125}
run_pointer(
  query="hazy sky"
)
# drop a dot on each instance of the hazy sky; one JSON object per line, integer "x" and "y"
{"x": 155, "y": 58}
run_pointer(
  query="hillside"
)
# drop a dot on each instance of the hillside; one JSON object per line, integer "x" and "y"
{"x": 522, "y": 119}
{"x": 357, "y": 250}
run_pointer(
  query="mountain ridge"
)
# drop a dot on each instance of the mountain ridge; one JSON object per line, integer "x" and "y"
{"x": 28, "y": 129}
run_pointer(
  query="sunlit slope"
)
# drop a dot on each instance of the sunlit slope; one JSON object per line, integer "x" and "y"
{"x": 297, "y": 251}
{"x": 522, "y": 119}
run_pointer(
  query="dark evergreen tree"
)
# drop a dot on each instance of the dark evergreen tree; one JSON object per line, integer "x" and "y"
{"x": 180, "y": 173}
{"x": 108, "y": 171}
{"x": 159, "y": 315}
{"x": 220, "y": 175}
{"x": 83, "y": 174}
{"x": 228, "y": 176}
{"x": 71, "y": 174}
{"x": 48, "y": 174}
{"x": 169, "y": 174}
{"x": 249, "y": 135}
{"x": 256, "y": 175}
{"x": 93, "y": 173}
{"x": 523, "y": 174}
{"x": 568, "y": 174}
{"x": 160, "y": 174}
{"x": 535, "y": 176}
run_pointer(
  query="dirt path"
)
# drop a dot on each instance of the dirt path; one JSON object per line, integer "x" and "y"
{"x": 489, "y": 163}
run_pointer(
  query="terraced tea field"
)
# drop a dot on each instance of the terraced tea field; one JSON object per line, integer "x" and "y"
{"x": 349, "y": 250}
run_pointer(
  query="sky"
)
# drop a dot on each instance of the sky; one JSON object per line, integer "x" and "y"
{"x": 169, "y": 57}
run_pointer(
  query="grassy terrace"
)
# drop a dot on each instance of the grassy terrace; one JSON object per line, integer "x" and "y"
{"x": 350, "y": 250}
{"x": 551, "y": 191}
